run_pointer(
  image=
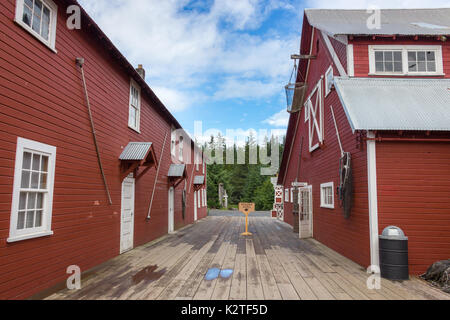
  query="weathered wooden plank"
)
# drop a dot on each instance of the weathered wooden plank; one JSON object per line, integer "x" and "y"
{"x": 254, "y": 286}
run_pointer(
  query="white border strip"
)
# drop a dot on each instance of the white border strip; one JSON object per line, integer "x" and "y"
{"x": 350, "y": 61}
{"x": 373, "y": 199}
{"x": 336, "y": 60}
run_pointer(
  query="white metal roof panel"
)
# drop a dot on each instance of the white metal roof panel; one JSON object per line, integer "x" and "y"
{"x": 135, "y": 151}
{"x": 395, "y": 104}
{"x": 393, "y": 21}
{"x": 199, "y": 180}
{"x": 176, "y": 170}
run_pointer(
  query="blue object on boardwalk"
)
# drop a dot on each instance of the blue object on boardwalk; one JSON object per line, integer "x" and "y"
{"x": 212, "y": 274}
{"x": 226, "y": 273}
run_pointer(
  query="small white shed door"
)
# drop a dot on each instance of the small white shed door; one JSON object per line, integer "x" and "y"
{"x": 195, "y": 206}
{"x": 171, "y": 209}
{"x": 127, "y": 215}
{"x": 306, "y": 213}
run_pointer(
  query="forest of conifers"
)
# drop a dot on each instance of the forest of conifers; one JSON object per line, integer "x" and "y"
{"x": 242, "y": 180}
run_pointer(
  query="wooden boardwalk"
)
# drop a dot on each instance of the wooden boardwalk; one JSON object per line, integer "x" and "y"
{"x": 272, "y": 264}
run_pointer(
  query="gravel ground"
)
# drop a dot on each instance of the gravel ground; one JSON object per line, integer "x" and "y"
{"x": 229, "y": 213}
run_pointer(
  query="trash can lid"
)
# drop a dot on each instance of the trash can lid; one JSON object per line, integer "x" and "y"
{"x": 393, "y": 233}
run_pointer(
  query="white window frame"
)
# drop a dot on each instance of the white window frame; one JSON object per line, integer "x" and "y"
{"x": 199, "y": 200}
{"x": 25, "y": 145}
{"x": 292, "y": 194}
{"x": 133, "y": 84}
{"x": 197, "y": 160}
{"x": 180, "y": 148}
{"x": 173, "y": 142}
{"x": 50, "y": 43}
{"x": 404, "y": 49}
{"x": 328, "y": 82}
{"x": 286, "y": 195}
{"x": 205, "y": 197}
{"x": 204, "y": 166}
{"x": 323, "y": 204}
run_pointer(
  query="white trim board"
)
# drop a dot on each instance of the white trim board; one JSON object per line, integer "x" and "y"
{"x": 334, "y": 55}
{"x": 350, "y": 61}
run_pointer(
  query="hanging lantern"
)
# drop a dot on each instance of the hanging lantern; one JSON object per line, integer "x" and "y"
{"x": 295, "y": 92}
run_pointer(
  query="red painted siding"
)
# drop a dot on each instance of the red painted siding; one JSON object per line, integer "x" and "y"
{"x": 44, "y": 102}
{"x": 348, "y": 237}
{"x": 341, "y": 51}
{"x": 413, "y": 194}
{"x": 413, "y": 188}
{"x": 361, "y": 52}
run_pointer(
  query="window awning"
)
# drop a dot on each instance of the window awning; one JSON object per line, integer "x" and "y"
{"x": 135, "y": 155}
{"x": 177, "y": 173}
{"x": 199, "y": 180}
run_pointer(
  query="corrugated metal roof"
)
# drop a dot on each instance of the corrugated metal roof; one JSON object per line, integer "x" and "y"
{"x": 199, "y": 180}
{"x": 176, "y": 170}
{"x": 393, "y": 21}
{"x": 395, "y": 104}
{"x": 135, "y": 151}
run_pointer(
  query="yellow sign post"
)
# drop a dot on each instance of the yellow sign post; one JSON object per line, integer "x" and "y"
{"x": 246, "y": 208}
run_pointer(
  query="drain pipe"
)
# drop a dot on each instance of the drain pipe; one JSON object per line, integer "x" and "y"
{"x": 156, "y": 178}
{"x": 80, "y": 63}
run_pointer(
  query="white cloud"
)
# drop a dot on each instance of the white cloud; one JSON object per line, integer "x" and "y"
{"x": 184, "y": 51}
{"x": 279, "y": 119}
{"x": 174, "y": 100}
{"x": 246, "y": 89}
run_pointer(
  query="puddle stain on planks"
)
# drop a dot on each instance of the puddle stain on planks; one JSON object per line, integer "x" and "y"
{"x": 149, "y": 274}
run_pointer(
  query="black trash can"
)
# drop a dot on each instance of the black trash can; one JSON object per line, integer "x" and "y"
{"x": 394, "y": 254}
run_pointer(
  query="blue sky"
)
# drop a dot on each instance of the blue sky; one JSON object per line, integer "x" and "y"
{"x": 222, "y": 62}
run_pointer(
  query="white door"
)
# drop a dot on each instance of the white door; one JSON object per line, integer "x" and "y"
{"x": 306, "y": 212}
{"x": 171, "y": 209}
{"x": 127, "y": 215}
{"x": 195, "y": 206}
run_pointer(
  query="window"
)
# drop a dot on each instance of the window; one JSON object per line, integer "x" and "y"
{"x": 328, "y": 80}
{"x": 292, "y": 194}
{"x": 421, "y": 61}
{"x": 388, "y": 61}
{"x": 180, "y": 148}
{"x": 327, "y": 195}
{"x": 135, "y": 106}
{"x": 197, "y": 161}
{"x": 204, "y": 166}
{"x": 173, "y": 143}
{"x": 286, "y": 195}
{"x": 204, "y": 197}
{"x": 199, "y": 200}
{"x": 39, "y": 18}
{"x": 406, "y": 60}
{"x": 31, "y": 208}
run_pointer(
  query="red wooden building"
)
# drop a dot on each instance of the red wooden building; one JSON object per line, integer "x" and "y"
{"x": 69, "y": 194}
{"x": 379, "y": 95}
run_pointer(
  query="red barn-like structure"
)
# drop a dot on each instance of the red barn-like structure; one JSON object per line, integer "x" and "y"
{"x": 382, "y": 92}
{"x": 70, "y": 195}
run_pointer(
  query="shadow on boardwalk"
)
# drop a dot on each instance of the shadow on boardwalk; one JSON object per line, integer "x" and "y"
{"x": 273, "y": 263}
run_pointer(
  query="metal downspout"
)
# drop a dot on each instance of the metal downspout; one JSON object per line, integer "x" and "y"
{"x": 80, "y": 63}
